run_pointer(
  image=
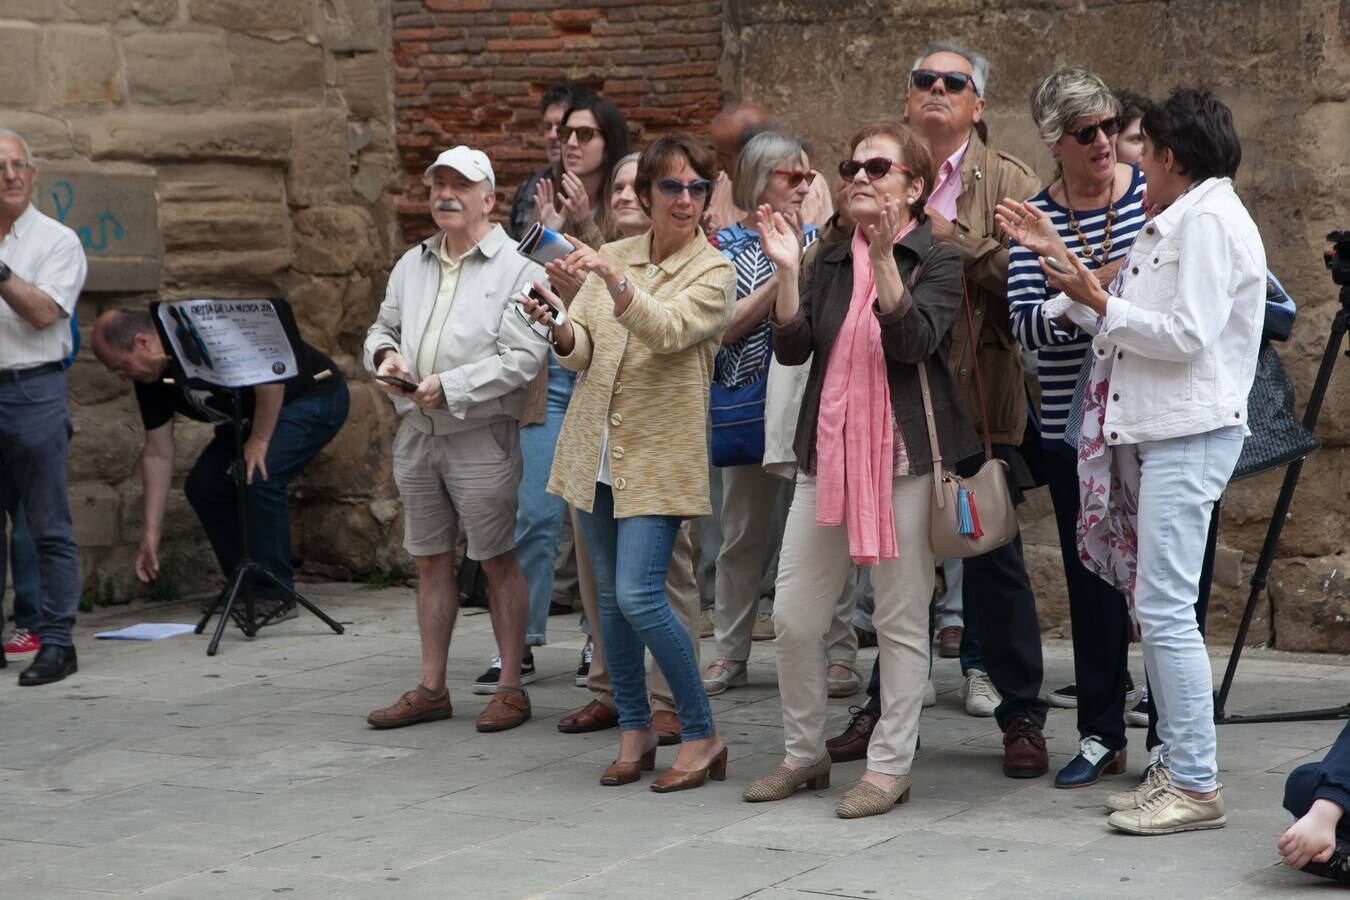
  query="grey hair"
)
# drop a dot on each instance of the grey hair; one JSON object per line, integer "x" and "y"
{"x": 754, "y": 167}
{"x": 1066, "y": 94}
{"x": 979, "y": 66}
{"x": 6, "y": 133}
{"x": 623, "y": 161}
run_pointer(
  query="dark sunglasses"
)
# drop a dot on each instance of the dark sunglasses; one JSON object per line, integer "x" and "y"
{"x": 954, "y": 82}
{"x": 698, "y": 189}
{"x": 876, "y": 167}
{"x": 795, "y": 178}
{"x": 585, "y": 133}
{"x": 1088, "y": 133}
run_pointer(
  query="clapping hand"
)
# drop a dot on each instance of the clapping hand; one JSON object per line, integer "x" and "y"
{"x": 565, "y": 283}
{"x": 1028, "y": 226}
{"x": 779, "y": 238}
{"x": 576, "y": 203}
{"x": 544, "y": 208}
{"x": 881, "y": 235}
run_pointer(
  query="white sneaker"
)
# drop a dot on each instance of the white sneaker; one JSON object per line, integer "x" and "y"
{"x": 929, "y": 695}
{"x": 981, "y": 698}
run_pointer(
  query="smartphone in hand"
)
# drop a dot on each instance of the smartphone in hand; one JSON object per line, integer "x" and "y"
{"x": 555, "y": 310}
{"x": 1061, "y": 268}
{"x": 402, "y": 384}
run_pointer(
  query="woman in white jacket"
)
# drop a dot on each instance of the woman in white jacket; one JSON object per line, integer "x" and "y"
{"x": 1175, "y": 347}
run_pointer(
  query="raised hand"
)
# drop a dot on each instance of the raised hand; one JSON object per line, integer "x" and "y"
{"x": 778, "y": 238}
{"x": 585, "y": 259}
{"x": 564, "y": 283}
{"x": 1026, "y": 224}
{"x": 881, "y": 234}
{"x": 545, "y": 212}
{"x": 576, "y": 203}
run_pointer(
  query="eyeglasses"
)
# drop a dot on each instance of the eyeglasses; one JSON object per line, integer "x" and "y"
{"x": 698, "y": 189}
{"x": 954, "y": 82}
{"x": 876, "y": 167}
{"x": 585, "y": 133}
{"x": 795, "y": 178}
{"x": 17, "y": 166}
{"x": 1088, "y": 133}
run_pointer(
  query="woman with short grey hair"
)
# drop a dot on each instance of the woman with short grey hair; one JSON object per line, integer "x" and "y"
{"x": 772, "y": 169}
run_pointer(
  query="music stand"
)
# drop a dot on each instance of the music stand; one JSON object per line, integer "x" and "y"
{"x": 236, "y": 345}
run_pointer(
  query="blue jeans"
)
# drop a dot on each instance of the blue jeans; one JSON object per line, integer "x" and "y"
{"x": 631, "y": 557}
{"x": 539, "y": 515}
{"x": 34, "y": 446}
{"x": 1179, "y": 481}
{"x": 304, "y": 427}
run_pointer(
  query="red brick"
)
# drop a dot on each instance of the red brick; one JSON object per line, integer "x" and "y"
{"x": 514, "y": 45}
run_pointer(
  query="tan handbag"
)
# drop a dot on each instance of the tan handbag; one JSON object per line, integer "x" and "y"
{"x": 970, "y": 516}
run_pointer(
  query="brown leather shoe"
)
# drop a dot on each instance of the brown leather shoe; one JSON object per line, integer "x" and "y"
{"x": 418, "y": 705}
{"x": 852, "y": 743}
{"x": 594, "y": 716}
{"x": 1024, "y": 753}
{"x": 949, "y": 641}
{"x": 627, "y": 772}
{"x": 507, "y": 709}
{"x": 685, "y": 779}
{"x": 667, "y": 726}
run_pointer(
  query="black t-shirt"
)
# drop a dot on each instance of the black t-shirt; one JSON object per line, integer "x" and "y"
{"x": 159, "y": 401}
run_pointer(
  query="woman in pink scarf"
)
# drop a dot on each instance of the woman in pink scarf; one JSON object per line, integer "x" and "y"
{"x": 869, "y": 310}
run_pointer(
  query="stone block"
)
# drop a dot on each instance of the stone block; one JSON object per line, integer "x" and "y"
{"x": 247, "y": 273}
{"x": 94, "y": 508}
{"x": 106, "y": 445}
{"x": 223, "y": 207}
{"x": 354, "y": 25}
{"x": 155, "y": 137}
{"x": 320, "y": 169}
{"x": 1045, "y": 568}
{"x": 29, "y": 9}
{"x": 92, "y": 384}
{"x": 251, "y": 15}
{"x": 333, "y": 240}
{"x": 1318, "y": 523}
{"x": 82, "y": 66}
{"x": 355, "y": 463}
{"x": 115, "y": 213}
{"x": 317, "y": 305}
{"x": 364, "y": 80}
{"x": 20, "y": 51}
{"x": 334, "y": 532}
{"x": 180, "y": 521}
{"x": 48, "y": 137}
{"x": 1311, "y": 600}
{"x": 360, "y": 303}
{"x": 176, "y": 67}
{"x": 275, "y": 73}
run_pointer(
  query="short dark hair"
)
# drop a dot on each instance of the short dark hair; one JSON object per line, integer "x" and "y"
{"x": 661, "y": 154}
{"x": 1132, "y": 106}
{"x": 1198, "y": 128}
{"x": 119, "y": 329}
{"x": 914, "y": 153}
{"x": 562, "y": 95}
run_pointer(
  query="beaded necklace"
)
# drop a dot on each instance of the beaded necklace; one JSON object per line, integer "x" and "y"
{"x": 1105, "y": 249}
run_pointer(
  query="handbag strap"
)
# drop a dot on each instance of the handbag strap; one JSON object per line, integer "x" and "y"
{"x": 932, "y": 433}
{"x": 975, "y": 361}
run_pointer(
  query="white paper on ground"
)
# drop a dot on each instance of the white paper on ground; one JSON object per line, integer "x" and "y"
{"x": 146, "y": 631}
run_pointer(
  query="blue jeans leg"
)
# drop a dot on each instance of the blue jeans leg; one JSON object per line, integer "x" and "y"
{"x": 23, "y": 559}
{"x": 631, "y": 558}
{"x": 539, "y": 515}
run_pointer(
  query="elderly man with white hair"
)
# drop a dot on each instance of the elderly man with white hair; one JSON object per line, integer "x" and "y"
{"x": 456, "y": 359}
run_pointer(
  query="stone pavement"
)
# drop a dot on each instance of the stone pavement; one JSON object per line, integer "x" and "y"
{"x": 158, "y": 771}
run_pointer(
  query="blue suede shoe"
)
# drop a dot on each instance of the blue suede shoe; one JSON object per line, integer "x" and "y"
{"x": 1092, "y": 762}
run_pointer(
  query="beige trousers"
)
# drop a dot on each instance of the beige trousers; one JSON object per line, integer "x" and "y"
{"x": 813, "y": 563}
{"x": 681, "y": 592}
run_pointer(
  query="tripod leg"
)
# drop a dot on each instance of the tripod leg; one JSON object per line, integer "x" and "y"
{"x": 236, "y": 585}
{"x": 211, "y": 610}
{"x": 303, "y": 601}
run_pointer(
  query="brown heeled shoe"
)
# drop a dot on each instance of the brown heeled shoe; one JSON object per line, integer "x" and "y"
{"x": 683, "y": 780}
{"x": 627, "y": 772}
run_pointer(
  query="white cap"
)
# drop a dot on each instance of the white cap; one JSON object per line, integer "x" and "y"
{"x": 472, "y": 164}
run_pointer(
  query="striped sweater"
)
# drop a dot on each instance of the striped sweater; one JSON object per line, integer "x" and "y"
{"x": 1060, "y": 352}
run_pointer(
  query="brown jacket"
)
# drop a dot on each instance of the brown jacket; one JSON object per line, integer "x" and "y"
{"x": 918, "y": 335}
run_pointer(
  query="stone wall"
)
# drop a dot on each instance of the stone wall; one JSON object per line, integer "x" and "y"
{"x": 1284, "y": 68}
{"x": 265, "y": 130}
{"x": 472, "y": 72}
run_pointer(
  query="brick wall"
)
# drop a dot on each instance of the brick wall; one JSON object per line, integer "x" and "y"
{"x": 472, "y": 72}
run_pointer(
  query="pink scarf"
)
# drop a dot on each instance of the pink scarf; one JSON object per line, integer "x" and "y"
{"x": 855, "y": 452}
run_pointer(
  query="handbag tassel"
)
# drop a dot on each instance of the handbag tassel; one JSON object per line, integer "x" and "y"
{"x": 967, "y": 516}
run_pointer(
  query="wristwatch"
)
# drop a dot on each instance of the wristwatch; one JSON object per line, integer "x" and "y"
{"x": 618, "y": 290}
{"x": 5, "y": 272}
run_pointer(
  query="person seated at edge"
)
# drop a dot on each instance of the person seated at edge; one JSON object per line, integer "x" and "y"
{"x": 286, "y": 425}
{"x": 1318, "y": 794}
{"x": 633, "y": 455}
{"x": 871, "y": 309}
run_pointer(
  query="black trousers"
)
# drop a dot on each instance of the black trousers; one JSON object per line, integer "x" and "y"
{"x": 1325, "y": 780}
{"x": 996, "y": 593}
{"x": 1098, "y": 615}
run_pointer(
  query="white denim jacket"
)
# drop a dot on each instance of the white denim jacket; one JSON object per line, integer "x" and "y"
{"x": 1186, "y": 328}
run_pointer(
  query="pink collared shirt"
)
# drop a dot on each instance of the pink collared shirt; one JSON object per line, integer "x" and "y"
{"x": 949, "y": 186}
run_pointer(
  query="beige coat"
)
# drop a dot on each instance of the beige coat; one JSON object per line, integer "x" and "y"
{"x": 646, "y": 379}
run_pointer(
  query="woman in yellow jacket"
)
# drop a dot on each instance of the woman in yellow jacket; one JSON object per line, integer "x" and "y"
{"x": 632, "y": 456}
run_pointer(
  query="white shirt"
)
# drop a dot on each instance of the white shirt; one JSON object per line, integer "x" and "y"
{"x": 47, "y": 255}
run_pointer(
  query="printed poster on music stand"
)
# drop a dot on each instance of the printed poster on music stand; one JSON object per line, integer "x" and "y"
{"x": 228, "y": 343}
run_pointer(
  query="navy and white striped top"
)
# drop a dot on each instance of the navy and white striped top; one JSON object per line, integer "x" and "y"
{"x": 1060, "y": 352}
{"x": 746, "y": 359}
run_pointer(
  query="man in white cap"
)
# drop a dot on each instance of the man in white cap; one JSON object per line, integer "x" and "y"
{"x": 447, "y": 329}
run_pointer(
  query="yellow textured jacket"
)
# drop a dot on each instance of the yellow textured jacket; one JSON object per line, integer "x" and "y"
{"x": 646, "y": 378}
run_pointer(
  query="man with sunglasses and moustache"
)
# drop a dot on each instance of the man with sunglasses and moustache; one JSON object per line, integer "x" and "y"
{"x": 945, "y": 103}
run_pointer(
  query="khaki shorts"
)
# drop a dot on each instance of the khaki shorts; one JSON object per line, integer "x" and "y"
{"x": 469, "y": 478}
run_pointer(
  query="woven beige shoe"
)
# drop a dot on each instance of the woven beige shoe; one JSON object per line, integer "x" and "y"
{"x": 763, "y": 628}
{"x": 784, "y": 781}
{"x": 847, "y": 686}
{"x": 1169, "y": 811}
{"x": 723, "y": 674}
{"x": 706, "y": 625}
{"x": 1155, "y": 778}
{"x": 866, "y": 799}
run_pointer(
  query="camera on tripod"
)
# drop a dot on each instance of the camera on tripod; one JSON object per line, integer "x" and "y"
{"x": 1338, "y": 257}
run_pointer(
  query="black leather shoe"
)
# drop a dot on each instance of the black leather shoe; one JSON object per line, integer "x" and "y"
{"x": 52, "y": 663}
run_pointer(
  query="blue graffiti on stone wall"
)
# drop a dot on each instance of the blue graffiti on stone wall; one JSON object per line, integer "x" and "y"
{"x": 109, "y": 228}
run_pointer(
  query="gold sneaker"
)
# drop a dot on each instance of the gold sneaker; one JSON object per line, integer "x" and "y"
{"x": 1156, "y": 776}
{"x": 1169, "y": 811}
{"x": 763, "y": 627}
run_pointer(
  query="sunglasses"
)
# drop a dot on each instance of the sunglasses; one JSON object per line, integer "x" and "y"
{"x": 795, "y": 178}
{"x": 1088, "y": 133}
{"x": 698, "y": 189}
{"x": 585, "y": 133}
{"x": 954, "y": 82}
{"x": 876, "y": 167}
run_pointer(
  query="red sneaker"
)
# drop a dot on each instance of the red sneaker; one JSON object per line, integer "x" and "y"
{"x": 23, "y": 641}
